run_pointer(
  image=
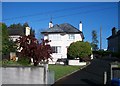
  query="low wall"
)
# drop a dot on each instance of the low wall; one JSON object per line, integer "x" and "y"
{"x": 26, "y": 75}
{"x": 50, "y": 77}
{"x": 76, "y": 62}
{"x": 0, "y": 75}
{"x": 116, "y": 73}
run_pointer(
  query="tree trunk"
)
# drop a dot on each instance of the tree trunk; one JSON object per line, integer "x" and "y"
{"x": 36, "y": 63}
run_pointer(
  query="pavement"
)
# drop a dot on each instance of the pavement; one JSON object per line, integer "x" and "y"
{"x": 92, "y": 75}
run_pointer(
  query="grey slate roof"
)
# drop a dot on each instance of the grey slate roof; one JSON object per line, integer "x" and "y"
{"x": 118, "y": 34}
{"x": 62, "y": 28}
{"x": 17, "y": 31}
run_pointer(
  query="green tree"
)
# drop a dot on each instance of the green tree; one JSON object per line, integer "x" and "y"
{"x": 7, "y": 45}
{"x": 0, "y": 38}
{"x": 79, "y": 49}
{"x": 12, "y": 26}
{"x": 25, "y": 25}
{"x": 5, "y": 39}
{"x": 94, "y": 42}
{"x": 32, "y": 32}
{"x": 16, "y": 26}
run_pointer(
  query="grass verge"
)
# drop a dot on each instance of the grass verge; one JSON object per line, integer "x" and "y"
{"x": 61, "y": 70}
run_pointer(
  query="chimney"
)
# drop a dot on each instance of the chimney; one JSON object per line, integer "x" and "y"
{"x": 80, "y": 26}
{"x": 27, "y": 31}
{"x": 114, "y": 31}
{"x": 50, "y": 24}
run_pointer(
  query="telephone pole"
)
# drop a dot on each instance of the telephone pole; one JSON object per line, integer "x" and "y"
{"x": 100, "y": 38}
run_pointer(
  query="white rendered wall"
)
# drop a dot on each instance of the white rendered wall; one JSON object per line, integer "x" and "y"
{"x": 64, "y": 42}
{"x": 14, "y": 38}
{"x": 76, "y": 62}
{"x": 22, "y": 75}
{"x": 45, "y": 37}
{"x": 26, "y": 75}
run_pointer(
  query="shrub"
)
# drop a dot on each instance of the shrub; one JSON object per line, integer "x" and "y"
{"x": 31, "y": 48}
{"x": 101, "y": 53}
{"x": 116, "y": 54}
{"x": 106, "y": 53}
{"x": 79, "y": 50}
{"x": 6, "y": 62}
{"x": 23, "y": 61}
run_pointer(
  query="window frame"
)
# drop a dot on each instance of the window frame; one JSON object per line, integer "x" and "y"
{"x": 71, "y": 36}
{"x": 54, "y": 37}
{"x": 56, "y": 49}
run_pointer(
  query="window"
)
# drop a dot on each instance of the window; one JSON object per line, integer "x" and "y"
{"x": 54, "y": 37}
{"x": 56, "y": 49}
{"x": 71, "y": 36}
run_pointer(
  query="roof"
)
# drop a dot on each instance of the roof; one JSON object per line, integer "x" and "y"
{"x": 113, "y": 36}
{"x": 17, "y": 31}
{"x": 62, "y": 28}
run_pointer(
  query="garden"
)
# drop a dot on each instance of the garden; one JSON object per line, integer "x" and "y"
{"x": 61, "y": 70}
{"x": 40, "y": 53}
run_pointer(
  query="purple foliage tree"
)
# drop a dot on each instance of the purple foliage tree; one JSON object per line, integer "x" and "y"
{"x": 31, "y": 48}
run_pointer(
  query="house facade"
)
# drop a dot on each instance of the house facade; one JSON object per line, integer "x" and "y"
{"x": 114, "y": 41}
{"x": 61, "y": 37}
{"x": 15, "y": 33}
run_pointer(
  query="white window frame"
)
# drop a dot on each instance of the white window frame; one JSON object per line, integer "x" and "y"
{"x": 54, "y": 37}
{"x": 71, "y": 36}
{"x": 57, "y": 49}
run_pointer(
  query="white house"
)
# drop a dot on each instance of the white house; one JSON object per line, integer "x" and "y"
{"x": 61, "y": 37}
{"x": 14, "y": 34}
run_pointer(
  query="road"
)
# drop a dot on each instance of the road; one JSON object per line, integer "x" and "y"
{"x": 92, "y": 75}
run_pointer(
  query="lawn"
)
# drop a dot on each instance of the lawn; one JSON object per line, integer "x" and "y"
{"x": 61, "y": 70}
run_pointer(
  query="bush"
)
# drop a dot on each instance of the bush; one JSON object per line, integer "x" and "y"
{"x": 106, "y": 53}
{"x": 23, "y": 61}
{"x": 101, "y": 53}
{"x": 116, "y": 54}
{"x": 6, "y": 62}
{"x": 79, "y": 50}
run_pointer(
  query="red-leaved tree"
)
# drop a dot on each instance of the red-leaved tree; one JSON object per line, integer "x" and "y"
{"x": 31, "y": 48}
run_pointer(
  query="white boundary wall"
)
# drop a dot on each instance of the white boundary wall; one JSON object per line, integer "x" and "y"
{"x": 76, "y": 62}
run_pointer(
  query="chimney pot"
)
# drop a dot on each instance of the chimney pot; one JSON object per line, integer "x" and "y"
{"x": 80, "y": 26}
{"x": 50, "y": 24}
{"x": 114, "y": 31}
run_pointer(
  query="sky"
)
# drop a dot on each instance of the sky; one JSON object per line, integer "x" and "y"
{"x": 94, "y": 15}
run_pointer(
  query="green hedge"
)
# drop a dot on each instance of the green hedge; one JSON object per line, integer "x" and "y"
{"x": 106, "y": 53}
{"x": 103, "y": 53}
{"x": 116, "y": 54}
{"x": 6, "y": 62}
{"x": 20, "y": 62}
